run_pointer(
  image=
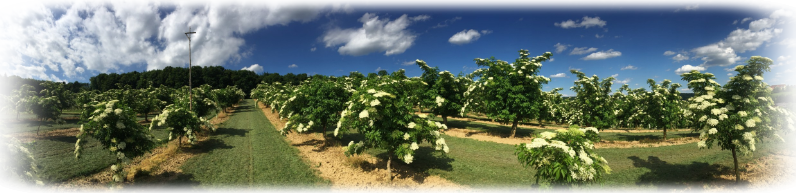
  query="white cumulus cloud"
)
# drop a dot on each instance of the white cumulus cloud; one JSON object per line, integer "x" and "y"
{"x": 465, "y": 37}
{"x": 680, "y": 57}
{"x": 560, "y": 47}
{"x": 757, "y": 25}
{"x": 254, "y": 68}
{"x": 375, "y": 35}
{"x": 603, "y": 55}
{"x": 559, "y": 75}
{"x": 74, "y": 38}
{"x": 292, "y": 66}
{"x": 668, "y": 53}
{"x": 587, "y": 22}
{"x": 625, "y": 81}
{"x": 688, "y": 68}
{"x": 629, "y": 67}
{"x": 582, "y": 50}
{"x": 715, "y": 55}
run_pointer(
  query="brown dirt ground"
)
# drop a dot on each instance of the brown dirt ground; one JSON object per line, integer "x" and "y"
{"x": 483, "y": 136}
{"x": 159, "y": 166}
{"x": 563, "y": 126}
{"x": 362, "y": 172}
{"x": 14, "y": 120}
{"x": 26, "y": 137}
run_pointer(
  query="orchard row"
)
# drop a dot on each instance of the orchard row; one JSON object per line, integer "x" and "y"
{"x": 110, "y": 116}
{"x": 735, "y": 116}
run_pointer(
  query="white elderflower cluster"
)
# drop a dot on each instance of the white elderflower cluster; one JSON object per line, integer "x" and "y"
{"x": 414, "y": 146}
{"x": 441, "y": 145}
{"x": 750, "y": 123}
{"x": 439, "y": 101}
{"x": 713, "y": 122}
{"x": 585, "y": 158}
{"x": 547, "y": 135}
{"x": 408, "y": 158}
{"x": 407, "y": 136}
{"x": 590, "y": 129}
{"x": 375, "y": 103}
{"x": 363, "y": 114}
{"x": 713, "y": 131}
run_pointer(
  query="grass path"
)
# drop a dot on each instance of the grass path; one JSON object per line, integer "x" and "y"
{"x": 247, "y": 151}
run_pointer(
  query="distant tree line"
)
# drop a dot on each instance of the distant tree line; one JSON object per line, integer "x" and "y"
{"x": 215, "y": 76}
{"x": 10, "y": 83}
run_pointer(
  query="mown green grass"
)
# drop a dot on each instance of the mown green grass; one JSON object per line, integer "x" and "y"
{"x": 55, "y": 156}
{"x": 488, "y": 164}
{"x": 246, "y": 150}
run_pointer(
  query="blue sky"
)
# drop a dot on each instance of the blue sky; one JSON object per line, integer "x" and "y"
{"x": 74, "y": 41}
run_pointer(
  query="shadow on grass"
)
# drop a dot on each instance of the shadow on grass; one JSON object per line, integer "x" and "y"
{"x": 207, "y": 146}
{"x": 166, "y": 179}
{"x": 66, "y": 139}
{"x": 665, "y": 174}
{"x": 425, "y": 159}
{"x": 658, "y": 137}
{"x": 493, "y": 130}
{"x": 230, "y": 132}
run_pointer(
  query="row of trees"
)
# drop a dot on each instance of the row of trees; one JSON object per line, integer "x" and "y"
{"x": 111, "y": 118}
{"x": 511, "y": 92}
{"x": 13, "y": 82}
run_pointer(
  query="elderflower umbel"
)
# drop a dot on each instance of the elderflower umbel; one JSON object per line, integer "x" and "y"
{"x": 414, "y": 146}
{"x": 715, "y": 111}
{"x": 363, "y": 114}
{"x": 712, "y": 131}
{"x": 750, "y": 123}
{"x": 547, "y": 135}
{"x": 406, "y": 136}
{"x": 375, "y": 102}
{"x": 742, "y": 113}
{"x": 701, "y": 144}
{"x": 713, "y": 122}
{"x": 411, "y": 125}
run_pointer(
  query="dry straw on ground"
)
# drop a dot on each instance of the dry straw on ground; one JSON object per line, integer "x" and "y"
{"x": 159, "y": 166}
{"x": 360, "y": 172}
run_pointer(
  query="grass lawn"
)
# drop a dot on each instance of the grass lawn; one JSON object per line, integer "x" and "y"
{"x": 55, "y": 155}
{"x": 505, "y": 130}
{"x": 246, "y": 150}
{"x": 488, "y": 164}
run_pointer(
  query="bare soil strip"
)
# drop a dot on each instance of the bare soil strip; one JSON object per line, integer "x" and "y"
{"x": 27, "y": 137}
{"x": 483, "y": 136}
{"x": 561, "y": 126}
{"x": 362, "y": 172}
{"x": 160, "y": 166}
